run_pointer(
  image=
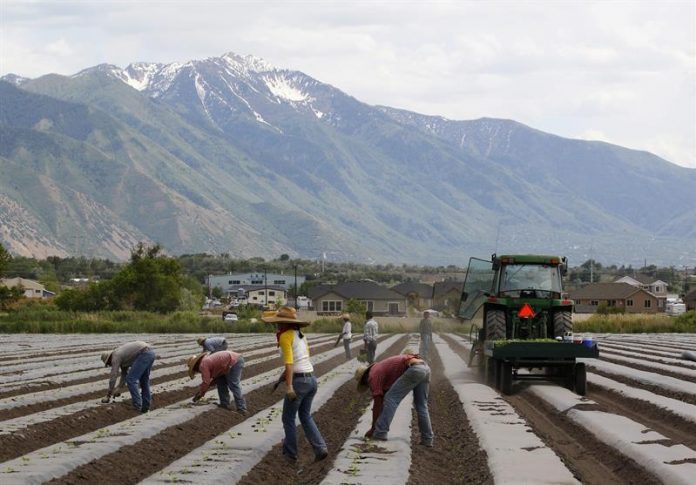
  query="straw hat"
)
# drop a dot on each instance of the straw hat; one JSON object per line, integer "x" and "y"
{"x": 193, "y": 361}
{"x": 361, "y": 374}
{"x": 284, "y": 315}
{"x": 346, "y": 316}
{"x": 200, "y": 340}
{"x": 106, "y": 358}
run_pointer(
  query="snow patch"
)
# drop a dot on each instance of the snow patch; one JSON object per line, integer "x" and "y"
{"x": 281, "y": 88}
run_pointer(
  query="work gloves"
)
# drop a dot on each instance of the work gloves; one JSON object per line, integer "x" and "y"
{"x": 290, "y": 394}
{"x": 197, "y": 397}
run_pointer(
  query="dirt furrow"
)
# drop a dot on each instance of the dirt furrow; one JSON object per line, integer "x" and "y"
{"x": 590, "y": 460}
{"x": 456, "y": 456}
{"x": 660, "y": 391}
{"x": 645, "y": 368}
{"x": 77, "y": 424}
{"x": 133, "y": 463}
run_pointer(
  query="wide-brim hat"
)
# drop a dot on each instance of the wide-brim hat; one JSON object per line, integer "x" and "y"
{"x": 285, "y": 315}
{"x": 361, "y": 374}
{"x": 193, "y": 361}
{"x": 200, "y": 340}
{"x": 346, "y": 316}
{"x": 106, "y": 357}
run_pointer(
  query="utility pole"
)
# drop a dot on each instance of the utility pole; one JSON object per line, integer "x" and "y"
{"x": 265, "y": 287}
{"x": 297, "y": 307}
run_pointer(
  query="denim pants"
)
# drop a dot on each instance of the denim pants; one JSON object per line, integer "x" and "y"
{"x": 416, "y": 379}
{"x": 371, "y": 347}
{"x": 306, "y": 389}
{"x": 232, "y": 380}
{"x": 346, "y": 346}
{"x": 139, "y": 373}
{"x": 426, "y": 341}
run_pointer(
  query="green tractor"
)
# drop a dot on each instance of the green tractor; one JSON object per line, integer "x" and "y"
{"x": 527, "y": 321}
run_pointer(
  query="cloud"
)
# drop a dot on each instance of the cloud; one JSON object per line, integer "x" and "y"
{"x": 625, "y": 70}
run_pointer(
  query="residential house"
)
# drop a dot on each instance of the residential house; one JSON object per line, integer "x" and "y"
{"x": 630, "y": 298}
{"x": 649, "y": 283}
{"x": 32, "y": 289}
{"x": 333, "y": 299}
{"x": 446, "y": 295}
{"x": 690, "y": 300}
{"x": 419, "y": 295}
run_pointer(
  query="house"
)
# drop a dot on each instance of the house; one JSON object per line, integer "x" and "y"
{"x": 630, "y": 298}
{"x": 690, "y": 300}
{"x": 446, "y": 295}
{"x": 419, "y": 295}
{"x": 232, "y": 281}
{"x": 32, "y": 289}
{"x": 655, "y": 286}
{"x": 333, "y": 299}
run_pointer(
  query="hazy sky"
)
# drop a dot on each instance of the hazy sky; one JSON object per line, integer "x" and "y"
{"x": 619, "y": 71}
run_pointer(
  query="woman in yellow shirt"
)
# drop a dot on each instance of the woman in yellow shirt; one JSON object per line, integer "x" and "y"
{"x": 300, "y": 381}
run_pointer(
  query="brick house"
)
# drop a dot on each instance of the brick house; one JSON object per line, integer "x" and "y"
{"x": 631, "y": 299}
{"x": 419, "y": 295}
{"x": 446, "y": 295}
{"x": 380, "y": 300}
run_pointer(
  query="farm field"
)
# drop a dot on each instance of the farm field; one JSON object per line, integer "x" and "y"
{"x": 637, "y": 423}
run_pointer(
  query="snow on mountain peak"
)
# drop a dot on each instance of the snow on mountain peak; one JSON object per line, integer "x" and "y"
{"x": 246, "y": 63}
{"x": 281, "y": 87}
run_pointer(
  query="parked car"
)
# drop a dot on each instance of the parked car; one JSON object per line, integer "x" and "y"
{"x": 230, "y": 317}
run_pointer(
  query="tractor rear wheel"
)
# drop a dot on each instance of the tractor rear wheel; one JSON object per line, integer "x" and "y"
{"x": 495, "y": 325}
{"x": 562, "y": 323}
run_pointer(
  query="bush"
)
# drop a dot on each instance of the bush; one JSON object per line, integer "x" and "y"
{"x": 638, "y": 323}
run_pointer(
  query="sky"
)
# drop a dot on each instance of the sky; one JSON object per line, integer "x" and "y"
{"x": 617, "y": 71}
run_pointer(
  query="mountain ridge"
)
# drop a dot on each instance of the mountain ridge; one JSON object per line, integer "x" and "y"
{"x": 257, "y": 160}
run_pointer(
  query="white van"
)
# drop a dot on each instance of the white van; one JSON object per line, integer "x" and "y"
{"x": 673, "y": 308}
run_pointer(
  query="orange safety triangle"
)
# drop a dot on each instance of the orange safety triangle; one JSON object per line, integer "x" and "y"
{"x": 526, "y": 311}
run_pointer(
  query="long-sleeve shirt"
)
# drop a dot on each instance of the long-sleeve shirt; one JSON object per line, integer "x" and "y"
{"x": 295, "y": 351}
{"x": 121, "y": 359}
{"x": 215, "y": 344}
{"x": 347, "y": 330}
{"x": 426, "y": 327}
{"x": 215, "y": 365}
{"x": 384, "y": 373}
{"x": 371, "y": 331}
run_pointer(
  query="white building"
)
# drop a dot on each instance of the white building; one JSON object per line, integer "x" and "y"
{"x": 229, "y": 283}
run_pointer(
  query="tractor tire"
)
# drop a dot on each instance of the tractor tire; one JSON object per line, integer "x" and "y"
{"x": 506, "y": 378}
{"x": 580, "y": 379}
{"x": 495, "y": 325}
{"x": 562, "y": 323}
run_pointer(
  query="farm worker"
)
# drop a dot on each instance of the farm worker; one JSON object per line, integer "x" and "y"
{"x": 370, "y": 335}
{"x": 212, "y": 344}
{"x": 133, "y": 361}
{"x": 300, "y": 381}
{"x": 426, "y": 334}
{"x": 390, "y": 380}
{"x": 225, "y": 369}
{"x": 347, "y": 334}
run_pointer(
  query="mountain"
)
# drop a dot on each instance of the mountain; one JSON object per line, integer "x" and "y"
{"x": 230, "y": 154}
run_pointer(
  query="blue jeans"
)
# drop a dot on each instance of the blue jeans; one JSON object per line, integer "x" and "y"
{"x": 416, "y": 379}
{"x": 306, "y": 389}
{"x": 231, "y": 380}
{"x": 371, "y": 348}
{"x": 139, "y": 373}
{"x": 425, "y": 342}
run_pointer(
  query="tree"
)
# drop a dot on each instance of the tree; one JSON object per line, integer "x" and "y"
{"x": 5, "y": 259}
{"x": 284, "y": 257}
{"x": 7, "y": 295}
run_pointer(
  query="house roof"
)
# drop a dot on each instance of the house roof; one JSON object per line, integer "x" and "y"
{"x": 361, "y": 290}
{"x": 605, "y": 291}
{"x": 23, "y": 282}
{"x": 642, "y": 279}
{"x": 423, "y": 290}
{"x": 443, "y": 287}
